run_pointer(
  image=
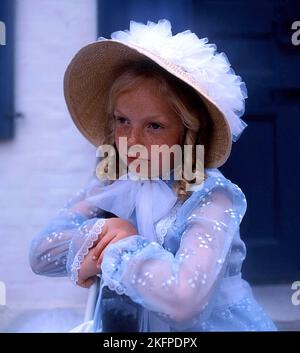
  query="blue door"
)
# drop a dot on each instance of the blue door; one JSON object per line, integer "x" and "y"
{"x": 256, "y": 37}
{"x": 7, "y": 44}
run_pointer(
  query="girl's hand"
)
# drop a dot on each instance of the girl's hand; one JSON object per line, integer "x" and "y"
{"x": 113, "y": 230}
{"x": 88, "y": 271}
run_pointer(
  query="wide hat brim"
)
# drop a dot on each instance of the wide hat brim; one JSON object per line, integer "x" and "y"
{"x": 92, "y": 71}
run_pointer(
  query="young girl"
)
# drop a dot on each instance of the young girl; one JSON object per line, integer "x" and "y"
{"x": 168, "y": 252}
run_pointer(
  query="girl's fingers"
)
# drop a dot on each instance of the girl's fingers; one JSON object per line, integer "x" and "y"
{"x": 99, "y": 262}
{"x": 89, "y": 282}
{"x": 115, "y": 239}
{"x": 101, "y": 245}
{"x": 86, "y": 283}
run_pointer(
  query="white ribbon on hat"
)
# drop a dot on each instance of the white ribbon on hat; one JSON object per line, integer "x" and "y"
{"x": 151, "y": 199}
{"x": 200, "y": 59}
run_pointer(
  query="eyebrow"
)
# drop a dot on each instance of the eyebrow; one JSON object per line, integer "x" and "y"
{"x": 147, "y": 117}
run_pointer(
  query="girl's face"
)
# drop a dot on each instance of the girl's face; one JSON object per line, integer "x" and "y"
{"x": 145, "y": 118}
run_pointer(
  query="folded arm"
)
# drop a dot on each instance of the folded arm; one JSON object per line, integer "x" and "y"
{"x": 54, "y": 248}
{"x": 178, "y": 287}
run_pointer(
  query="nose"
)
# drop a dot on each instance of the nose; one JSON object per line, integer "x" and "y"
{"x": 134, "y": 137}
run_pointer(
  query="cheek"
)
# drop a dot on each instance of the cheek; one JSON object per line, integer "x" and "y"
{"x": 170, "y": 138}
{"x": 173, "y": 138}
{"x": 118, "y": 133}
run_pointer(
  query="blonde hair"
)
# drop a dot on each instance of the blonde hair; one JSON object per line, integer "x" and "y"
{"x": 183, "y": 99}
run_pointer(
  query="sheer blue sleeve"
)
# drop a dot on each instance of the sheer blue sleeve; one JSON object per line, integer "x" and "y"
{"x": 59, "y": 248}
{"x": 178, "y": 287}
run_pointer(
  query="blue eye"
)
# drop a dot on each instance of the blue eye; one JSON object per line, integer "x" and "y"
{"x": 121, "y": 119}
{"x": 156, "y": 126}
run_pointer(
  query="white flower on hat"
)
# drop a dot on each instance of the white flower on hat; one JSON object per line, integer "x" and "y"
{"x": 210, "y": 69}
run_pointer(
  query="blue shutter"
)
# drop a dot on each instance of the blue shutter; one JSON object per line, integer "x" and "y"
{"x": 7, "y": 19}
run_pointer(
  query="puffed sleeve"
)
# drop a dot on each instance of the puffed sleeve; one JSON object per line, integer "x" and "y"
{"x": 59, "y": 248}
{"x": 178, "y": 287}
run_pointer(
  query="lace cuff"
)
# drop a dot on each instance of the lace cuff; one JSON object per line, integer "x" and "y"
{"x": 117, "y": 257}
{"x": 83, "y": 251}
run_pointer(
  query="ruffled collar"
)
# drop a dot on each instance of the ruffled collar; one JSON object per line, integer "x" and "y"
{"x": 150, "y": 199}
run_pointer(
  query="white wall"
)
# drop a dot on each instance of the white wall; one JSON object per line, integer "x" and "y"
{"x": 48, "y": 160}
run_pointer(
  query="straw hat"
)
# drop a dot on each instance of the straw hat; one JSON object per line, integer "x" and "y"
{"x": 94, "y": 68}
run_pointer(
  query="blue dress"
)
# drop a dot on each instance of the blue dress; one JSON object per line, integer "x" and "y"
{"x": 188, "y": 279}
